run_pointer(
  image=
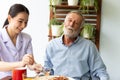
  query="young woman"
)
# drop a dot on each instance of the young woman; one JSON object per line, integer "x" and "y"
{"x": 15, "y": 46}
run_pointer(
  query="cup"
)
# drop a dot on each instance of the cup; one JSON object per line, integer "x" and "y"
{"x": 19, "y": 73}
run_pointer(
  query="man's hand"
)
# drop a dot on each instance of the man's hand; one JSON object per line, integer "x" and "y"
{"x": 36, "y": 67}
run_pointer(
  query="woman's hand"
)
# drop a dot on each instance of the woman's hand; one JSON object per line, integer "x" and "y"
{"x": 28, "y": 59}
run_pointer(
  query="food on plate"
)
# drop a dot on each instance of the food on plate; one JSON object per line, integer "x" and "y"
{"x": 28, "y": 78}
{"x": 52, "y": 78}
{"x": 59, "y": 78}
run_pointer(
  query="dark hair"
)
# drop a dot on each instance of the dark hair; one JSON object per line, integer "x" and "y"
{"x": 14, "y": 10}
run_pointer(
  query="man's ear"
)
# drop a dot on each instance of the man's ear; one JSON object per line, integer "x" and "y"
{"x": 9, "y": 18}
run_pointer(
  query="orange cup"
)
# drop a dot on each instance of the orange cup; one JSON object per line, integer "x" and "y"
{"x": 19, "y": 73}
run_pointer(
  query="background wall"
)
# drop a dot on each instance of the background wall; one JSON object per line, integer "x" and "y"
{"x": 110, "y": 31}
{"x": 38, "y": 29}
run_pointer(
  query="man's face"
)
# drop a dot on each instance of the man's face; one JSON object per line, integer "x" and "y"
{"x": 72, "y": 25}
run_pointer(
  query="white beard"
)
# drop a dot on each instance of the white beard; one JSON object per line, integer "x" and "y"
{"x": 70, "y": 32}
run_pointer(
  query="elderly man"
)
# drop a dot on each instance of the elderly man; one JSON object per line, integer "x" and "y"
{"x": 73, "y": 56}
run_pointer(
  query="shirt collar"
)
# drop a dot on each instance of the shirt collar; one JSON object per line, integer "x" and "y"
{"x": 77, "y": 39}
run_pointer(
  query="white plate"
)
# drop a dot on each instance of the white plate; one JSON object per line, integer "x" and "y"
{"x": 70, "y": 78}
{"x": 48, "y": 77}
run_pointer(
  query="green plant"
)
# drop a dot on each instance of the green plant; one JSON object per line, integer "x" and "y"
{"x": 57, "y": 30}
{"x": 55, "y": 2}
{"x": 85, "y": 5}
{"x": 56, "y": 27}
{"x": 54, "y": 21}
{"x": 96, "y": 5}
{"x": 88, "y": 31}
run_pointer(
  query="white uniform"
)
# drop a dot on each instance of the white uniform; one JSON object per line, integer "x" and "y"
{"x": 11, "y": 53}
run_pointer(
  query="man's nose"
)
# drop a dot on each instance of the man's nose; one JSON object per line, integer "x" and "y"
{"x": 72, "y": 23}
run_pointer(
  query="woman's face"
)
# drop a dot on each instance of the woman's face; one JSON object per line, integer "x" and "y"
{"x": 18, "y": 23}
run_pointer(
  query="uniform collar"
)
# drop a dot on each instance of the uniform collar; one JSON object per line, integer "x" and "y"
{"x": 5, "y": 35}
{"x": 8, "y": 42}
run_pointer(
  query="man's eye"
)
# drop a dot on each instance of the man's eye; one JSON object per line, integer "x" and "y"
{"x": 20, "y": 21}
{"x": 76, "y": 23}
{"x": 69, "y": 20}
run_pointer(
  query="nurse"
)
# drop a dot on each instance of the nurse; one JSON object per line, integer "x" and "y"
{"x": 15, "y": 46}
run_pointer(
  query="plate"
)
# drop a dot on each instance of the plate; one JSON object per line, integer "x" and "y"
{"x": 49, "y": 77}
{"x": 70, "y": 78}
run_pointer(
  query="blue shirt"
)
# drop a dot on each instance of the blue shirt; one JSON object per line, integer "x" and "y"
{"x": 80, "y": 60}
{"x": 11, "y": 53}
